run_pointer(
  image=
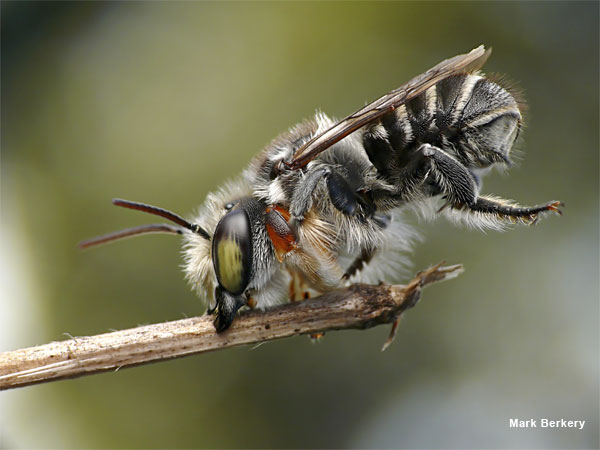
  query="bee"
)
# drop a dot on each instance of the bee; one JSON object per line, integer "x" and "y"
{"x": 321, "y": 206}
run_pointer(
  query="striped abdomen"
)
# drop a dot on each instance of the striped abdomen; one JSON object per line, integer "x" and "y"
{"x": 468, "y": 116}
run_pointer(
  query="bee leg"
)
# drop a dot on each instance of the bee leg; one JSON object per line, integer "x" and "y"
{"x": 350, "y": 201}
{"x": 362, "y": 260}
{"x": 294, "y": 289}
{"x": 454, "y": 179}
{"x": 341, "y": 194}
{"x": 501, "y": 210}
{"x": 461, "y": 190}
{"x": 226, "y": 308}
{"x": 366, "y": 254}
{"x": 302, "y": 198}
{"x": 251, "y": 302}
{"x": 298, "y": 289}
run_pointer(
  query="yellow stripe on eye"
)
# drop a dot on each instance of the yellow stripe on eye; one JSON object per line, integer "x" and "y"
{"x": 231, "y": 267}
{"x": 232, "y": 251}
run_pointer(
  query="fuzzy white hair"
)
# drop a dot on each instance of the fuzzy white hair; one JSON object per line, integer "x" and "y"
{"x": 390, "y": 262}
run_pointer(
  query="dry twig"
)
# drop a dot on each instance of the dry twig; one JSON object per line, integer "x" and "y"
{"x": 359, "y": 306}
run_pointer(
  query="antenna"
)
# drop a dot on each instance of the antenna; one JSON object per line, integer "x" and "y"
{"x": 194, "y": 228}
{"x": 128, "y": 232}
{"x": 145, "y": 229}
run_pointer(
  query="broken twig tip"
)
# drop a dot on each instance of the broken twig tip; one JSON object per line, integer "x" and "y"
{"x": 392, "y": 335}
{"x": 409, "y": 295}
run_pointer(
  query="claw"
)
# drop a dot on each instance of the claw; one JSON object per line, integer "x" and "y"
{"x": 554, "y": 206}
{"x": 251, "y": 302}
{"x": 550, "y": 206}
{"x": 316, "y": 338}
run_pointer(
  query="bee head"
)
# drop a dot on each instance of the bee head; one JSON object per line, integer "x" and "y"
{"x": 231, "y": 248}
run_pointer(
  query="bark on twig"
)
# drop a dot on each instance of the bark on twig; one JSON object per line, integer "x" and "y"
{"x": 359, "y": 306}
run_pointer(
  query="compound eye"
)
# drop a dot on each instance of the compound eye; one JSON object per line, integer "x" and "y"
{"x": 232, "y": 251}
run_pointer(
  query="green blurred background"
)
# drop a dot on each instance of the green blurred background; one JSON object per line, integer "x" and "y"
{"x": 162, "y": 102}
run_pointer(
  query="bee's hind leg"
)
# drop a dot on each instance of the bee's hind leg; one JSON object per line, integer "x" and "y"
{"x": 461, "y": 191}
{"x": 454, "y": 179}
{"x": 502, "y": 210}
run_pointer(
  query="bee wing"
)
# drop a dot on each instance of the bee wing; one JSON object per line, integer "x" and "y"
{"x": 462, "y": 63}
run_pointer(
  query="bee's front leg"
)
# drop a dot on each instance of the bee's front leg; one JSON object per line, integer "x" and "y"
{"x": 302, "y": 199}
